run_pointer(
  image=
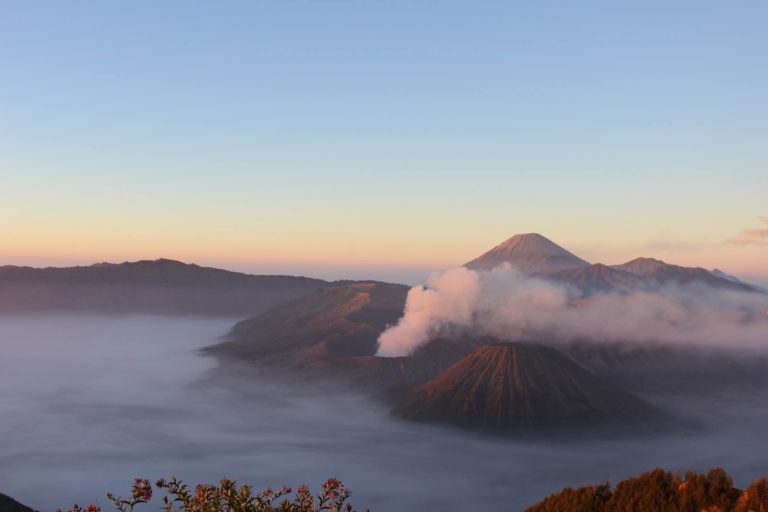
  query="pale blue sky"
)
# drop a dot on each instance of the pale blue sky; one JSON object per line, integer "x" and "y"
{"x": 293, "y": 134}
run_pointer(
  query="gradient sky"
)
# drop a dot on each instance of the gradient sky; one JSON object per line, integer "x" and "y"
{"x": 382, "y": 138}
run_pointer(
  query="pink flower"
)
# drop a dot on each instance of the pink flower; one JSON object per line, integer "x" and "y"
{"x": 141, "y": 490}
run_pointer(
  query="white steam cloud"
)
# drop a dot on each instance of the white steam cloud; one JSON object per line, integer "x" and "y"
{"x": 451, "y": 298}
{"x": 506, "y": 304}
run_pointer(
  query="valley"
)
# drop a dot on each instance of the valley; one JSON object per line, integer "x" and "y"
{"x": 505, "y": 374}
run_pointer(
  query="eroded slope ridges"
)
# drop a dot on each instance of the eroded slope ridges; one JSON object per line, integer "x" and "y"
{"x": 523, "y": 387}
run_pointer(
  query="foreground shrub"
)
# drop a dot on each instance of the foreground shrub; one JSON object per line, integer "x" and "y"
{"x": 229, "y": 496}
{"x": 662, "y": 491}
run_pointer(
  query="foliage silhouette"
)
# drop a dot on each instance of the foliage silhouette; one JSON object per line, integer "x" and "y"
{"x": 662, "y": 491}
{"x": 229, "y": 496}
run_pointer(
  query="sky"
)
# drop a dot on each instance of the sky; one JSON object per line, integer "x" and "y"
{"x": 382, "y": 139}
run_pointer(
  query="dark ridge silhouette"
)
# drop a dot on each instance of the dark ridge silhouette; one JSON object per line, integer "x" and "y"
{"x": 530, "y": 253}
{"x": 521, "y": 387}
{"x": 161, "y": 287}
{"x": 8, "y": 504}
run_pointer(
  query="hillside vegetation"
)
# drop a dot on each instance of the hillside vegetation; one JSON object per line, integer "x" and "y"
{"x": 662, "y": 491}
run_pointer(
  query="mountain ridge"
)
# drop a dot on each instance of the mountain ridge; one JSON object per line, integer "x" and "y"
{"x": 535, "y": 255}
{"x": 598, "y": 278}
{"x": 340, "y": 319}
{"x": 161, "y": 286}
{"x": 663, "y": 273}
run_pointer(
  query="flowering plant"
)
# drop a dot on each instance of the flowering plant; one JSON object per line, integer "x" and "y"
{"x": 229, "y": 496}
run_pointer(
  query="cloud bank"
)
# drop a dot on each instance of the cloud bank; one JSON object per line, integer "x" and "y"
{"x": 753, "y": 236}
{"x": 506, "y": 304}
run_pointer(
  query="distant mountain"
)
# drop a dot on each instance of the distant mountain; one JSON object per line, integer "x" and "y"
{"x": 599, "y": 279}
{"x": 8, "y": 504}
{"x": 342, "y": 320}
{"x": 530, "y": 253}
{"x": 160, "y": 286}
{"x": 661, "y": 273}
{"x": 672, "y": 368}
{"x": 719, "y": 273}
{"x": 734, "y": 279}
{"x": 535, "y": 255}
{"x": 523, "y": 388}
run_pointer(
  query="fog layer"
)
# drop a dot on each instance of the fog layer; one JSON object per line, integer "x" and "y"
{"x": 89, "y": 402}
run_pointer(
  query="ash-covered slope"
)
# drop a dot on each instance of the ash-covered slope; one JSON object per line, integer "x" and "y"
{"x": 341, "y": 320}
{"x": 159, "y": 286}
{"x": 520, "y": 387}
{"x": 530, "y": 253}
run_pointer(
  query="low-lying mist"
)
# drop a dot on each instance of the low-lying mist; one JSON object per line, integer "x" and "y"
{"x": 89, "y": 402}
{"x": 506, "y": 304}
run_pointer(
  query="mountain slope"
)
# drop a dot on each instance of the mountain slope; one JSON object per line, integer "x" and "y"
{"x": 522, "y": 387}
{"x": 160, "y": 286}
{"x": 398, "y": 374}
{"x": 535, "y": 255}
{"x": 8, "y": 504}
{"x": 672, "y": 368}
{"x": 661, "y": 273}
{"x": 599, "y": 279}
{"x": 530, "y": 253}
{"x": 728, "y": 277}
{"x": 342, "y": 320}
{"x": 333, "y": 332}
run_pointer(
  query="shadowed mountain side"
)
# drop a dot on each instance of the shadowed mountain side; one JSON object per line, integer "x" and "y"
{"x": 530, "y": 253}
{"x": 598, "y": 279}
{"x": 672, "y": 369}
{"x": 8, "y": 504}
{"x": 392, "y": 375}
{"x": 525, "y": 388}
{"x": 383, "y": 378}
{"x": 157, "y": 287}
{"x": 343, "y": 320}
{"x": 333, "y": 332}
{"x": 659, "y": 273}
{"x": 734, "y": 279}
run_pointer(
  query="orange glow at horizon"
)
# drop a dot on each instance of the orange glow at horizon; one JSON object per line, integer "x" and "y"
{"x": 336, "y": 250}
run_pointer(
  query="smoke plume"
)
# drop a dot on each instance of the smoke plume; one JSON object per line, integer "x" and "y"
{"x": 450, "y": 298}
{"x": 506, "y": 304}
